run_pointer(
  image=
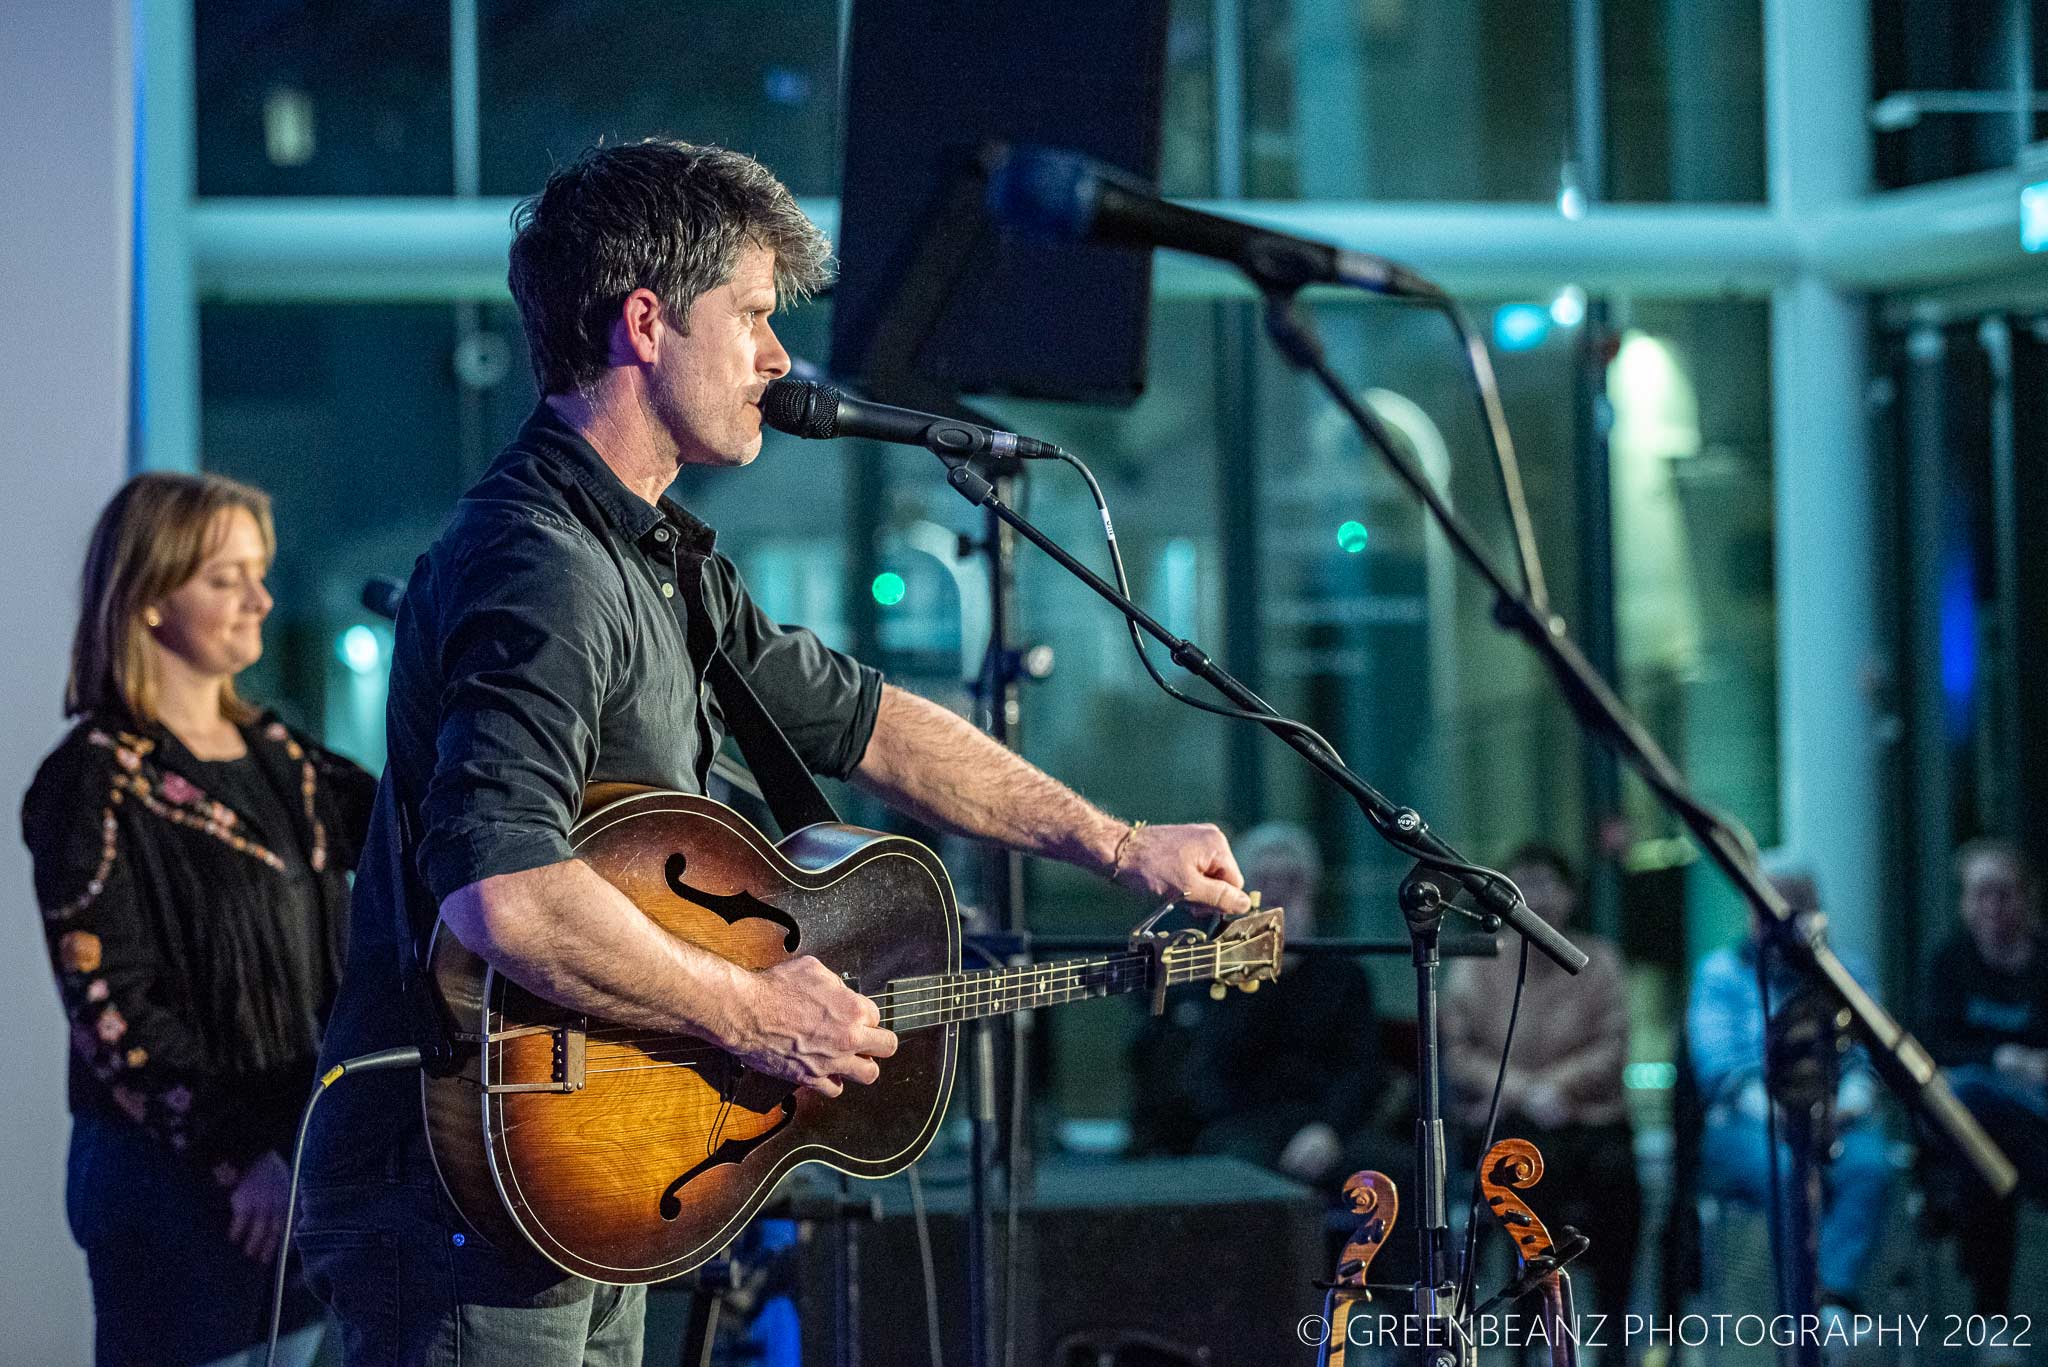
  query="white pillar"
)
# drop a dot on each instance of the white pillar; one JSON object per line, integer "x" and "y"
{"x": 66, "y": 104}
{"x": 166, "y": 417}
{"x": 1817, "y": 74}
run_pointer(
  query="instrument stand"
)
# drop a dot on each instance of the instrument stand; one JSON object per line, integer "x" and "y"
{"x": 981, "y": 1125}
{"x": 715, "y": 1283}
{"x": 994, "y": 690}
{"x": 1447, "y": 1339}
{"x": 1803, "y": 1046}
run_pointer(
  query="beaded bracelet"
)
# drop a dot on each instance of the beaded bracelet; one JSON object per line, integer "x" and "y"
{"x": 1116, "y": 859}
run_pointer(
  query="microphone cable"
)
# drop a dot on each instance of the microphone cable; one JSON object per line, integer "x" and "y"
{"x": 1467, "y": 1271}
{"x": 406, "y": 1057}
{"x": 1269, "y": 718}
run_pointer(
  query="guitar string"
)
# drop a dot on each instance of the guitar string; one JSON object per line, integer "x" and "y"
{"x": 666, "y": 1058}
{"x": 914, "y": 1021}
{"x": 979, "y": 986}
{"x": 997, "y": 987}
{"x": 994, "y": 980}
{"x": 934, "y": 984}
{"x": 917, "y": 1020}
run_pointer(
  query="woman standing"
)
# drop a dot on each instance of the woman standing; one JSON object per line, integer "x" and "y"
{"x": 191, "y": 856}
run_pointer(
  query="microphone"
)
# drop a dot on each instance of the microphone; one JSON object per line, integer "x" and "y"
{"x": 819, "y": 411}
{"x": 1068, "y": 195}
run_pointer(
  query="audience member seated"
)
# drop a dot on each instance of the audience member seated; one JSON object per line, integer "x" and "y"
{"x": 1987, "y": 1024}
{"x": 1725, "y": 1032}
{"x": 1288, "y": 1077}
{"x": 1562, "y": 1091}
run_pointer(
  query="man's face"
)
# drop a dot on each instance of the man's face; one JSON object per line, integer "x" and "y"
{"x": 707, "y": 382}
{"x": 1994, "y": 904}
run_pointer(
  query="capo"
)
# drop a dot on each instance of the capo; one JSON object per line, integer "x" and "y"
{"x": 1154, "y": 945}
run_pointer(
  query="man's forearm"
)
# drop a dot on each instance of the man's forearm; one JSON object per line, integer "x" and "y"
{"x": 566, "y": 935}
{"x": 925, "y": 760}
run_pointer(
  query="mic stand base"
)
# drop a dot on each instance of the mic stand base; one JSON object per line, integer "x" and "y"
{"x": 1446, "y": 1337}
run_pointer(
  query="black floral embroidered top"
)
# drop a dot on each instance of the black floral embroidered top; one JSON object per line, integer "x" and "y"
{"x": 196, "y": 916}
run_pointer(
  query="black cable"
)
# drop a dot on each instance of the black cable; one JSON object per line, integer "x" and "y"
{"x": 1466, "y": 1272}
{"x": 361, "y": 1063}
{"x": 924, "y": 1256}
{"x": 1493, "y": 421}
{"x": 1269, "y": 718}
{"x": 1123, "y": 584}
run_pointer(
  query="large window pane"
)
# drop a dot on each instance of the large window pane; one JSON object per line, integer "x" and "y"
{"x": 322, "y": 98}
{"x": 556, "y": 78}
{"x": 1944, "y": 84}
{"x": 1696, "y": 618}
{"x": 1685, "y": 100}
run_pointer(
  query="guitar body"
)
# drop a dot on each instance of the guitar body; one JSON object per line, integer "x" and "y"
{"x": 626, "y": 1156}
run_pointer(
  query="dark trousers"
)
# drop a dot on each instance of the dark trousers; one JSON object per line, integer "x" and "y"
{"x": 1987, "y": 1230}
{"x": 413, "y": 1286}
{"x": 169, "y": 1288}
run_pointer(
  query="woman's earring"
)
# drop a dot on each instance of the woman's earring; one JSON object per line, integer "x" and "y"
{"x": 152, "y": 618}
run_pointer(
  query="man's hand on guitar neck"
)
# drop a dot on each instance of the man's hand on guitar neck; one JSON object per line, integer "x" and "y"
{"x": 803, "y": 1025}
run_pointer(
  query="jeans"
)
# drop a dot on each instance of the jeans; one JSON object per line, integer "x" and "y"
{"x": 298, "y": 1349}
{"x": 2016, "y": 1117}
{"x": 413, "y": 1286}
{"x": 1735, "y": 1163}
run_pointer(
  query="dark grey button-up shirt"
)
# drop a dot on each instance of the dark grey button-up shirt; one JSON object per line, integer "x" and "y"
{"x": 555, "y": 636}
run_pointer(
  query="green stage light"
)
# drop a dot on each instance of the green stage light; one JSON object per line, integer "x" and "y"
{"x": 888, "y": 589}
{"x": 1352, "y": 537}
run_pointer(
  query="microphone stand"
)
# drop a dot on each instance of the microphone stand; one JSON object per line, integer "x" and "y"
{"x": 1900, "y": 1059}
{"x": 995, "y": 694}
{"x": 1423, "y": 899}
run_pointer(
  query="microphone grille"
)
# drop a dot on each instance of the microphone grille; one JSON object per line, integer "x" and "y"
{"x": 801, "y": 408}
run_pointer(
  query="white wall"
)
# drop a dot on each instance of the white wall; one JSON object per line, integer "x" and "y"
{"x": 66, "y": 158}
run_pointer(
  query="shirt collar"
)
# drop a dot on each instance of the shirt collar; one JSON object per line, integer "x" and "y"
{"x": 632, "y": 516}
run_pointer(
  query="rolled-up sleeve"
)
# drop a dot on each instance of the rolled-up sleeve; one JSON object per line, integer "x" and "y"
{"x": 531, "y": 629}
{"x": 825, "y": 702}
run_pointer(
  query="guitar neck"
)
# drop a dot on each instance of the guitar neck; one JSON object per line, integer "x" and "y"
{"x": 943, "y": 998}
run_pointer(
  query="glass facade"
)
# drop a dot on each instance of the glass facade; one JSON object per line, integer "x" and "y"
{"x": 1946, "y": 79}
{"x": 1252, "y": 518}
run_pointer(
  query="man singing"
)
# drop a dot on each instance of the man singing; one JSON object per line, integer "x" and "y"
{"x": 558, "y": 635}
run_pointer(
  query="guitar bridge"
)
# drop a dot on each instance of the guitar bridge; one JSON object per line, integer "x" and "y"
{"x": 566, "y": 1066}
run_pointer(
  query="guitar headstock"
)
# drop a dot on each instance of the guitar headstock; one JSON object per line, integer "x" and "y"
{"x": 1248, "y": 950}
{"x": 1243, "y": 953}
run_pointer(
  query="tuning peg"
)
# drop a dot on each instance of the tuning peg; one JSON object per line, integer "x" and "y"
{"x": 1251, "y": 984}
{"x": 1255, "y": 895}
{"x": 1218, "y": 991}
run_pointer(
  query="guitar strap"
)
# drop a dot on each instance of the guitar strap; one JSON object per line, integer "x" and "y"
{"x": 792, "y": 794}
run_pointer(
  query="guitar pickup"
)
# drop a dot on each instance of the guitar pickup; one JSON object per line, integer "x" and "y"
{"x": 567, "y": 1053}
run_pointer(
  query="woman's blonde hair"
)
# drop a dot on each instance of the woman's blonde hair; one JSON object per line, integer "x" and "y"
{"x": 150, "y": 540}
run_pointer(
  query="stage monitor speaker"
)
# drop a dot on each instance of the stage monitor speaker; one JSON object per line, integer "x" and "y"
{"x": 928, "y": 289}
{"x": 1176, "y": 1262}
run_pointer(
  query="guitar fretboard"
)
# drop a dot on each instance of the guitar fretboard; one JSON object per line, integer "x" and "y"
{"x": 942, "y": 998}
